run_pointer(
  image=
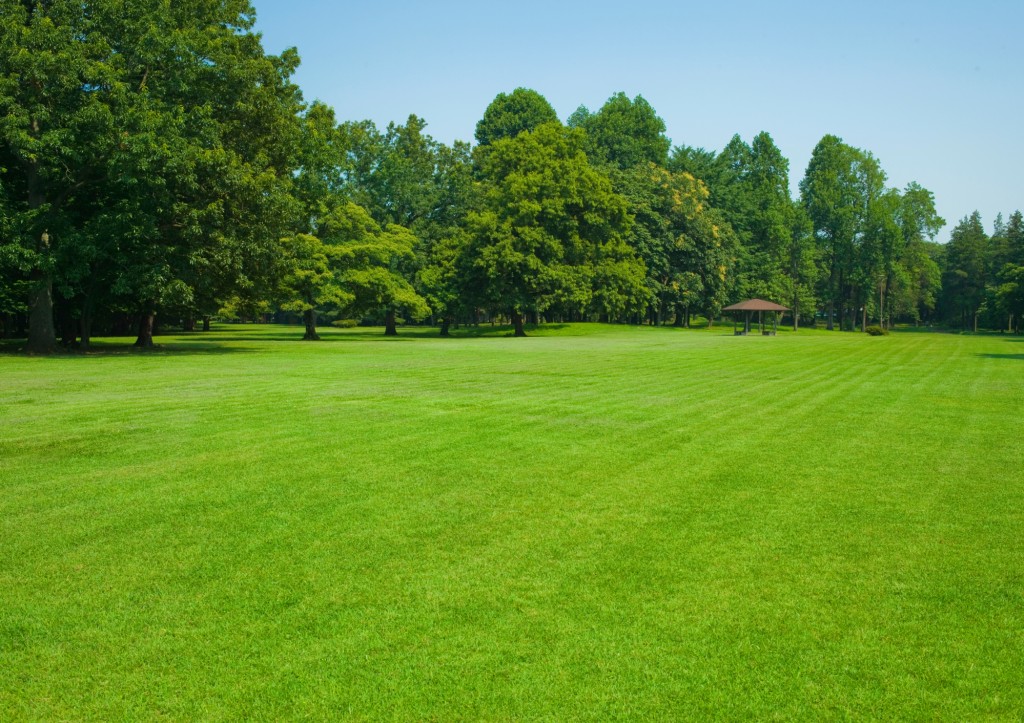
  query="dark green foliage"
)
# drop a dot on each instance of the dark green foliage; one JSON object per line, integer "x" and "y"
{"x": 154, "y": 143}
{"x": 510, "y": 114}
{"x": 624, "y": 132}
{"x": 966, "y": 274}
{"x": 551, "y": 231}
{"x": 875, "y": 330}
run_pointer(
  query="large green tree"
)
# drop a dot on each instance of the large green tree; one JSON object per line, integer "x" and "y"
{"x": 550, "y": 226}
{"x": 153, "y": 144}
{"x": 832, "y": 197}
{"x": 965, "y": 278}
{"x": 624, "y": 132}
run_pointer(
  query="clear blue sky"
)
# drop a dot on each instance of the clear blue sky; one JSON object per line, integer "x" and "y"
{"x": 934, "y": 89}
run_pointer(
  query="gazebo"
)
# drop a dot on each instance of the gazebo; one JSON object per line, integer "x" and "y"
{"x": 749, "y": 307}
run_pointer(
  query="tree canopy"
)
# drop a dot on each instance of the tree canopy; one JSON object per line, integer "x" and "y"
{"x": 158, "y": 166}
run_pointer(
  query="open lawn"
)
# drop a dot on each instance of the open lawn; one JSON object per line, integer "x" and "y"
{"x": 594, "y": 522}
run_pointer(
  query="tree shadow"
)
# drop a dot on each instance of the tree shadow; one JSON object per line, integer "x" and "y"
{"x": 106, "y": 349}
{"x": 1018, "y": 357}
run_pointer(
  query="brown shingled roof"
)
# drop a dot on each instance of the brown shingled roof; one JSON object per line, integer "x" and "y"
{"x": 755, "y": 305}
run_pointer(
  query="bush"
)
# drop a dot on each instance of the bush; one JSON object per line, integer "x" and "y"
{"x": 345, "y": 323}
{"x": 876, "y": 331}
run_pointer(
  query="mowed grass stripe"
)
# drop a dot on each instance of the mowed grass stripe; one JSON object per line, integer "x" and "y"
{"x": 593, "y": 522}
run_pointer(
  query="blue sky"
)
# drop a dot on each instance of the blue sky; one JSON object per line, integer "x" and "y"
{"x": 934, "y": 89}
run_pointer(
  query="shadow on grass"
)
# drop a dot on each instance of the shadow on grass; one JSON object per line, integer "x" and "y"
{"x": 1018, "y": 357}
{"x": 17, "y": 348}
{"x": 410, "y": 333}
{"x": 223, "y": 341}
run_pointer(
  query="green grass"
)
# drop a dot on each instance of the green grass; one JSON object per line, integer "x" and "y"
{"x": 594, "y": 522}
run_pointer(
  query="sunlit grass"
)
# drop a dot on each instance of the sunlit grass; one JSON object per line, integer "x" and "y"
{"x": 592, "y": 522}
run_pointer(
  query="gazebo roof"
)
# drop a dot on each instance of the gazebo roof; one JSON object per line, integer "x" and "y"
{"x": 756, "y": 305}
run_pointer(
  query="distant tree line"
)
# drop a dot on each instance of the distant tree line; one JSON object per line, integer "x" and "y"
{"x": 156, "y": 165}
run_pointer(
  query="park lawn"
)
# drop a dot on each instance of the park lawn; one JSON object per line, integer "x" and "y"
{"x": 593, "y": 522}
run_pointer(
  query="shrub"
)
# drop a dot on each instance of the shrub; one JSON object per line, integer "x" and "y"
{"x": 345, "y": 323}
{"x": 876, "y": 331}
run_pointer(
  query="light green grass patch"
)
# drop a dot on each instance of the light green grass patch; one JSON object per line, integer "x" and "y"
{"x": 593, "y": 522}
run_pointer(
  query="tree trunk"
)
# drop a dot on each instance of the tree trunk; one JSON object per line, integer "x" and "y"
{"x": 189, "y": 323}
{"x": 445, "y": 321}
{"x": 517, "y": 322}
{"x": 830, "y": 325}
{"x": 42, "y": 338}
{"x": 975, "y": 321}
{"x": 389, "y": 323}
{"x": 864, "y": 320}
{"x": 145, "y": 338}
{"x": 68, "y": 328}
{"x": 309, "y": 318}
{"x": 85, "y": 326}
{"x": 85, "y": 320}
{"x": 206, "y": 323}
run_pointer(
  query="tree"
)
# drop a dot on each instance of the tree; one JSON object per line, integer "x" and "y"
{"x": 624, "y": 132}
{"x": 688, "y": 248}
{"x": 308, "y": 279}
{"x": 510, "y": 114}
{"x": 146, "y": 140}
{"x": 832, "y": 199}
{"x": 373, "y": 265}
{"x": 549, "y": 225}
{"x": 914, "y": 280}
{"x": 964, "y": 280}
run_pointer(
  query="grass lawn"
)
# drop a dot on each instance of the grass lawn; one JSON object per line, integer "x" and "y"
{"x": 593, "y": 522}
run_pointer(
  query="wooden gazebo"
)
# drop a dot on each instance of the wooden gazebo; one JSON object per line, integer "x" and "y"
{"x": 748, "y": 307}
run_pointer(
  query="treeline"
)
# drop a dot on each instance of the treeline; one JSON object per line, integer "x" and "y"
{"x": 156, "y": 163}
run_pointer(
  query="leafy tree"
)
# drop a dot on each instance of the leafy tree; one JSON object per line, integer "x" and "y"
{"x": 913, "y": 282}
{"x": 510, "y": 114}
{"x": 145, "y": 140}
{"x": 688, "y": 248}
{"x": 373, "y": 265}
{"x": 550, "y": 225}
{"x": 964, "y": 280}
{"x": 832, "y": 199}
{"x": 624, "y": 132}
{"x": 1007, "y": 268}
{"x": 308, "y": 280}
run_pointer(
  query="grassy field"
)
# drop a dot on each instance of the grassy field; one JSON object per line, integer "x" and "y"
{"x": 594, "y": 522}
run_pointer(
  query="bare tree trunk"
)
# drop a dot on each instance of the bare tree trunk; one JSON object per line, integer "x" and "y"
{"x": 517, "y": 322}
{"x": 389, "y": 323}
{"x": 206, "y": 323}
{"x": 145, "y": 338}
{"x": 42, "y": 337}
{"x": 85, "y": 322}
{"x": 309, "y": 317}
{"x": 445, "y": 321}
